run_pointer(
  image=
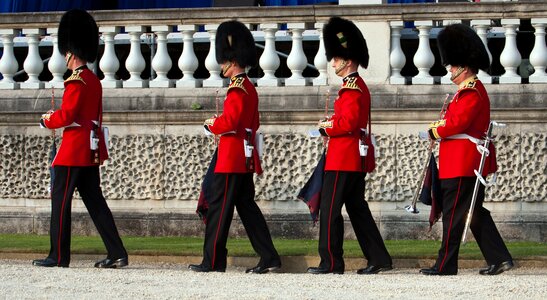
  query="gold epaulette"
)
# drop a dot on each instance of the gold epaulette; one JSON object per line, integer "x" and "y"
{"x": 237, "y": 82}
{"x": 75, "y": 76}
{"x": 351, "y": 83}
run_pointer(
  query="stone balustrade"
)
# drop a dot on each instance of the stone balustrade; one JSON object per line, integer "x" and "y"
{"x": 385, "y": 29}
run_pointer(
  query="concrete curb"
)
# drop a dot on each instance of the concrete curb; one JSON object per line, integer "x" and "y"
{"x": 291, "y": 264}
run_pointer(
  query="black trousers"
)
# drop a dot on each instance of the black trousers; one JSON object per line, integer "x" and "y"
{"x": 457, "y": 195}
{"x": 87, "y": 180}
{"x": 235, "y": 190}
{"x": 347, "y": 188}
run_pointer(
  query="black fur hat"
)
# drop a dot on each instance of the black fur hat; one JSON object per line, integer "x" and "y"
{"x": 234, "y": 42}
{"x": 78, "y": 33}
{"x": 343, "y": 39}
{"x": 459, "y": 45}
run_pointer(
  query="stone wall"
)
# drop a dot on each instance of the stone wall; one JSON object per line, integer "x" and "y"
{"x": 170, "y": 167}
{"x": 159, "y": 156}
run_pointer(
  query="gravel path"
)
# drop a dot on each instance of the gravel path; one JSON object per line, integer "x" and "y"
{"x": 19, "y": 280}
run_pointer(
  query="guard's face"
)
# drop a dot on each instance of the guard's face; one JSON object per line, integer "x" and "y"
{"x": 68, "y": 58}
{"x": 449, "y": 69}
{"x": 226, "y": 69}
{"x": 339, "y": 65}
{"x": 455, "y": 72}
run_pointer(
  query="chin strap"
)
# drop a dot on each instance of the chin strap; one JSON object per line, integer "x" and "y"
{"x": 70, "y": 55}
{"x": 341, "y": 67}
{"x": 225, "y": 68}
{"x": 458, "y": 72}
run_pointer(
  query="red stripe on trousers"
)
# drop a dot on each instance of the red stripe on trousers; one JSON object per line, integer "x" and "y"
{"x": 61, "y": 219}
{"x": 450, "y": 227}
{"x": 219, "y": 222}
{"x": 330, "y": 219}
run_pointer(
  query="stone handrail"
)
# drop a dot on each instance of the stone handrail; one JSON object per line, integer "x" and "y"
{"x": 317, "y": 13}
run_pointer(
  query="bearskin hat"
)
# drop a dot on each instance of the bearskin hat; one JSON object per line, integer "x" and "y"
{"x": 459, "y": 45}
{"x": 343, "y": 39}
{"x": 234, "y": 42}
{"x": 78, "y": 33}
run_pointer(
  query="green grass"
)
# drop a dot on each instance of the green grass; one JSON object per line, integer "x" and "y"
{"x": 241, "y": 247}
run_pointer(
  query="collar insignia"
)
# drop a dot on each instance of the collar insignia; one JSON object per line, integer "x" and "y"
{"x": 75, "y": 76}
{"x": 351, "y": 83}
{"x": 237, "y": 82}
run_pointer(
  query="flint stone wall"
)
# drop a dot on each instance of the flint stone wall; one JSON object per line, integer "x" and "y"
{"x": 159, "y": 157}
{"x": 171, "y": 167}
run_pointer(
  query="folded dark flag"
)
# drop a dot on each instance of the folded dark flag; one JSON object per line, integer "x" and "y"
{"x": 311, "y": 192}
{"x": 431, "y": 191}
{"x": 206, "y": 193}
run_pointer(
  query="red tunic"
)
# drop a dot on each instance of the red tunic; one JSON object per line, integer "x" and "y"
{"x": 81, "y": 104}
{"x": 344, "y": 127}
{"x": 240, "y": 112}
{"x": 468, "y": 113}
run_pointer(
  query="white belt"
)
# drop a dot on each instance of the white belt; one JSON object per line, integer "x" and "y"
{"x": 465, "y": 136}
{"x": 74, "y": 124}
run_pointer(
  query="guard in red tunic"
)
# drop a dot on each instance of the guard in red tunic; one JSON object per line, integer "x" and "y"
{"x": 468, "y": 115}
{"x": 344, "y": 178}
{"x": 237, "y": 158}
{"x": 76, "y": 165}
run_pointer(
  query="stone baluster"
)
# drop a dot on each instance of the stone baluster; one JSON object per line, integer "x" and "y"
{"x": 135, "y": 62}
{"x": 397, "y": 57}
{"x": 446, "y": 78}
{"x": 211, "y": 63}
{"x": 188, "y": 61}
{"x": 33, "y": 64}
{"x": 510, "y": 56}
{"x": 161, "y": 63}
{"x": 8, "y": 62}
{"x": 269, "y": 60}
{"x": 424, "y": 58}
{"x": 481, "y": 26}
{"x": 57, "y": 63}
{"x": 538, "y": 56}
{"x": 296, "y": 61}
{"x": 109, "y": 62}
{"x": 320, "y": 60}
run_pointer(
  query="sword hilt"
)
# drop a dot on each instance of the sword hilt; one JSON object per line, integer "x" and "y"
{"x": 498, "y": 124}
